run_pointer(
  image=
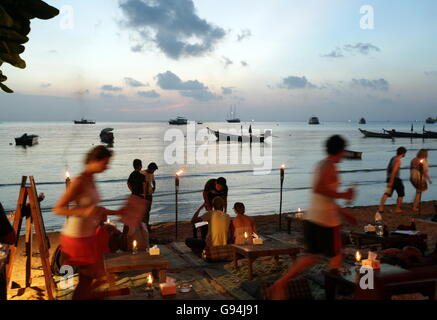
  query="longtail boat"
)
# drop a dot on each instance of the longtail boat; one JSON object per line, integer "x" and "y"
{"x": 370, "y": 134}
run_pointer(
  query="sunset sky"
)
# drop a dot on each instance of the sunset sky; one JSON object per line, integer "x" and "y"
{"x": 281, "y": 60}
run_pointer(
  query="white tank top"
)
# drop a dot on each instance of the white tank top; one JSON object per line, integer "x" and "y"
{"x": 323, "y": 210}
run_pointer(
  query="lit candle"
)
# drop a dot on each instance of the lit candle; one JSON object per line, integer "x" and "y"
{"x": 67, "y": 178}
{"x": 134, "y": 247}
{"x": 358, "y": 257}
{"x": 246, "y": 238}
{"x": 149, "y": 280}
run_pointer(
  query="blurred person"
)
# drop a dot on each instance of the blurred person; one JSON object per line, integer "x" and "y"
{"x": 214, "y": 188}
{"x": 419, "y": 175}
{"x": 149, "y": 190}
{"x": 394, "y": 182}
{"x": 322, "y": 221}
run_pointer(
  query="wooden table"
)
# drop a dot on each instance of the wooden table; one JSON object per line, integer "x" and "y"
{"x": 389, "y": 280}
{"x": 137, "y": 294}
{"x": 393, "y": 240}
{"x": 268, "y": 249}
{"x": 126, "y": 261}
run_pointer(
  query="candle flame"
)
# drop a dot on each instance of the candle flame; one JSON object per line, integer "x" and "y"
{"x": 246, "y": 235}
{"x": 358, "y": 256}
{"x": 421, "y": 161}
{"x": 67, "y": 174}
{"x": 299, "y": 209}
{"x": 108, "y": 221}
{"x": 134, "y": 244}
{"x": 149, "y": 279}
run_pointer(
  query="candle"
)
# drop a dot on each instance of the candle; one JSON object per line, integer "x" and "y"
{"x": 149, "y": 280}
{"x": 134, "y": 247}
{"x": 246, "y": 238}
{"x": 358, "y": 257}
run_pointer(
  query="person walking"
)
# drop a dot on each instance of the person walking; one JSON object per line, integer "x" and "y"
{"x": 394, "y": 182}
{"x": 419, "y": 176}
{"x": 322, "y": 221}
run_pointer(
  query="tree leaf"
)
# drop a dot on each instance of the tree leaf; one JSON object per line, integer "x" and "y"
{"x": 5, "y": 88}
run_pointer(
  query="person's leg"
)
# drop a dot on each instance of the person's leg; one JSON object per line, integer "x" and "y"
{"x": 416, "y": 201}
{"x": 399, "y": 205}
{"x": 278, "y": 290}
{"x": 84, "y": 287}
{"x": 382, "y": 202}
{"x": 196, "y": 245}
{"x": 400, "y": 189}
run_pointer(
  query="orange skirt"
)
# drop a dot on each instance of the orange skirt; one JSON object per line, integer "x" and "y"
{"x": 80, "y": 251}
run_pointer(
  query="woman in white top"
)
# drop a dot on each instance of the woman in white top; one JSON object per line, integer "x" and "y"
{"x": 78, "y": 237}
{"x": 322, "y": 220}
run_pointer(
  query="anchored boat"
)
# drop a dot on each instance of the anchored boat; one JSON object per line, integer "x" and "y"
{"x": 26, "y": 140}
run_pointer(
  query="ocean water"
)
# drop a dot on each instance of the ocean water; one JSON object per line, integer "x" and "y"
{"x": 296, "y": 144}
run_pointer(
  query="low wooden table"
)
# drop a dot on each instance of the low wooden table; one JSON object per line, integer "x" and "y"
{"x": 268, "y": 249}
{"x": 126, "y": 261}
{"x": 137, "y": 294}
{"x": 393, "y": 240}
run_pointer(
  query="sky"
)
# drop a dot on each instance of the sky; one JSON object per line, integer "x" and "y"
{"x": 283, "y": 60}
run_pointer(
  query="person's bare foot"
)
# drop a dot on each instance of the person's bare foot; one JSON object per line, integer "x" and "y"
{"x": 276, "y": 291}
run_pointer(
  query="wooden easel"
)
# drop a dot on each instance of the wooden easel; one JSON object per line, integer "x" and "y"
{"x": 34, "y": 219}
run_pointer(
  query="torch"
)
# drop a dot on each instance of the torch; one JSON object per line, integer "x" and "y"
{"x": 67, "y": 179}
{"x": 176, "y": 183}
{"x": 282, "y": 171}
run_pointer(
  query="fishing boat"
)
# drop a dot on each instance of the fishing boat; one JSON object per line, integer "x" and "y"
{"x": 84, "y": 121}
{"x": 430, "y": 134}
{"x": 313, "y": 120}
{"x": 400, "y": 134}
{"x": 430, "y": 120}
{"x": 224, "y": 136}
{"x": 178, "y": 121}
{"x": 370, "y": 134}
{"x": 232, "y": 118}
{"x": 362, "y": 121}
{"x": 353, "y": 155}
{"x": 26, "y": 140}
{"x": 106, "y": 136}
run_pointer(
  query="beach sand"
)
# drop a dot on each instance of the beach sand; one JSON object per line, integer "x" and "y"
{"x": 266, "y": 225}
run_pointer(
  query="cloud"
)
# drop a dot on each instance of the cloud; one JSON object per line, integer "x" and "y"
{"x": 81, "y": 93}
{"x": 133, "y": 83}
{"x": 227, "y": 90}
{"x": 431, "y": 73}
{"x": 170, "y": 81}
{"x": 245, "y": 33}
{"x": 110, "y": 87}
{"x": 358, "y": 48}
{"x": 172, "y": 25}
{"x": 362, "y": 48}
{"x": 111, "y": 96}
{"x": 378, "y": 84}
{"x": 336, "y": 53}
{"x": 201, "y": 95}
{"x": 45, "y": 85}
{"x": 149, "y": 94}
{"x": 192, "y": 88}
{"x": 293, "y": 82}
{"x": 226, "y": 61}
{"x": 244, "y": 63}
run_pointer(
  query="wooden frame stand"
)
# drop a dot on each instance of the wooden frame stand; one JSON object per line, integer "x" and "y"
{"x": 32, "y": 213}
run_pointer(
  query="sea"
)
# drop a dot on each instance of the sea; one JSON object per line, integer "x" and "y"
{"x": 252, "y": 170}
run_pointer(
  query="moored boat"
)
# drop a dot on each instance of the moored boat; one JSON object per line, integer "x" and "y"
{"x": 362, "y": 121}
{"x": 178, "y": 121}
{"x": 400, "y": 134}
{"x": 84, "y": 121}
{"x": 430, "y": 120}
{"x": 224, "y": 136}
{"x": 232, "y": 116}
{"x": 353, "y": 155}
{"x": 370, "y": 134}
{"x": 106, "y": 136}
{"x": 314, "y": 120}
{"x": 27, "y": 140}
{"x": 430, "y": 134}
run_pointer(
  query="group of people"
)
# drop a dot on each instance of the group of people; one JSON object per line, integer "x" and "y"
{"x": 216, "y": 227}
{"x": 419, "y": 178}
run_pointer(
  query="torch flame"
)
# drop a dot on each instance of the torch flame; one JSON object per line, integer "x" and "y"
{"x": 283, "y": 166}
{"x": 179, "y": 172}
{"x": 67, "y": 174}
{"x": 358, "y": 256}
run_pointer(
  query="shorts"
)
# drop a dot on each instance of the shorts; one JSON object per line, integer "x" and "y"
{"x": 80, "y": 251}
{"x": 322, "y": 240}
{"x": 398, "y": 186}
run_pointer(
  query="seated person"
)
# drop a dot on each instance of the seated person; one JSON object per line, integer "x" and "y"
{"x": 241, "y": 224}
{"x": 218, "y": 227}
{"x": 7, "y": 233}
